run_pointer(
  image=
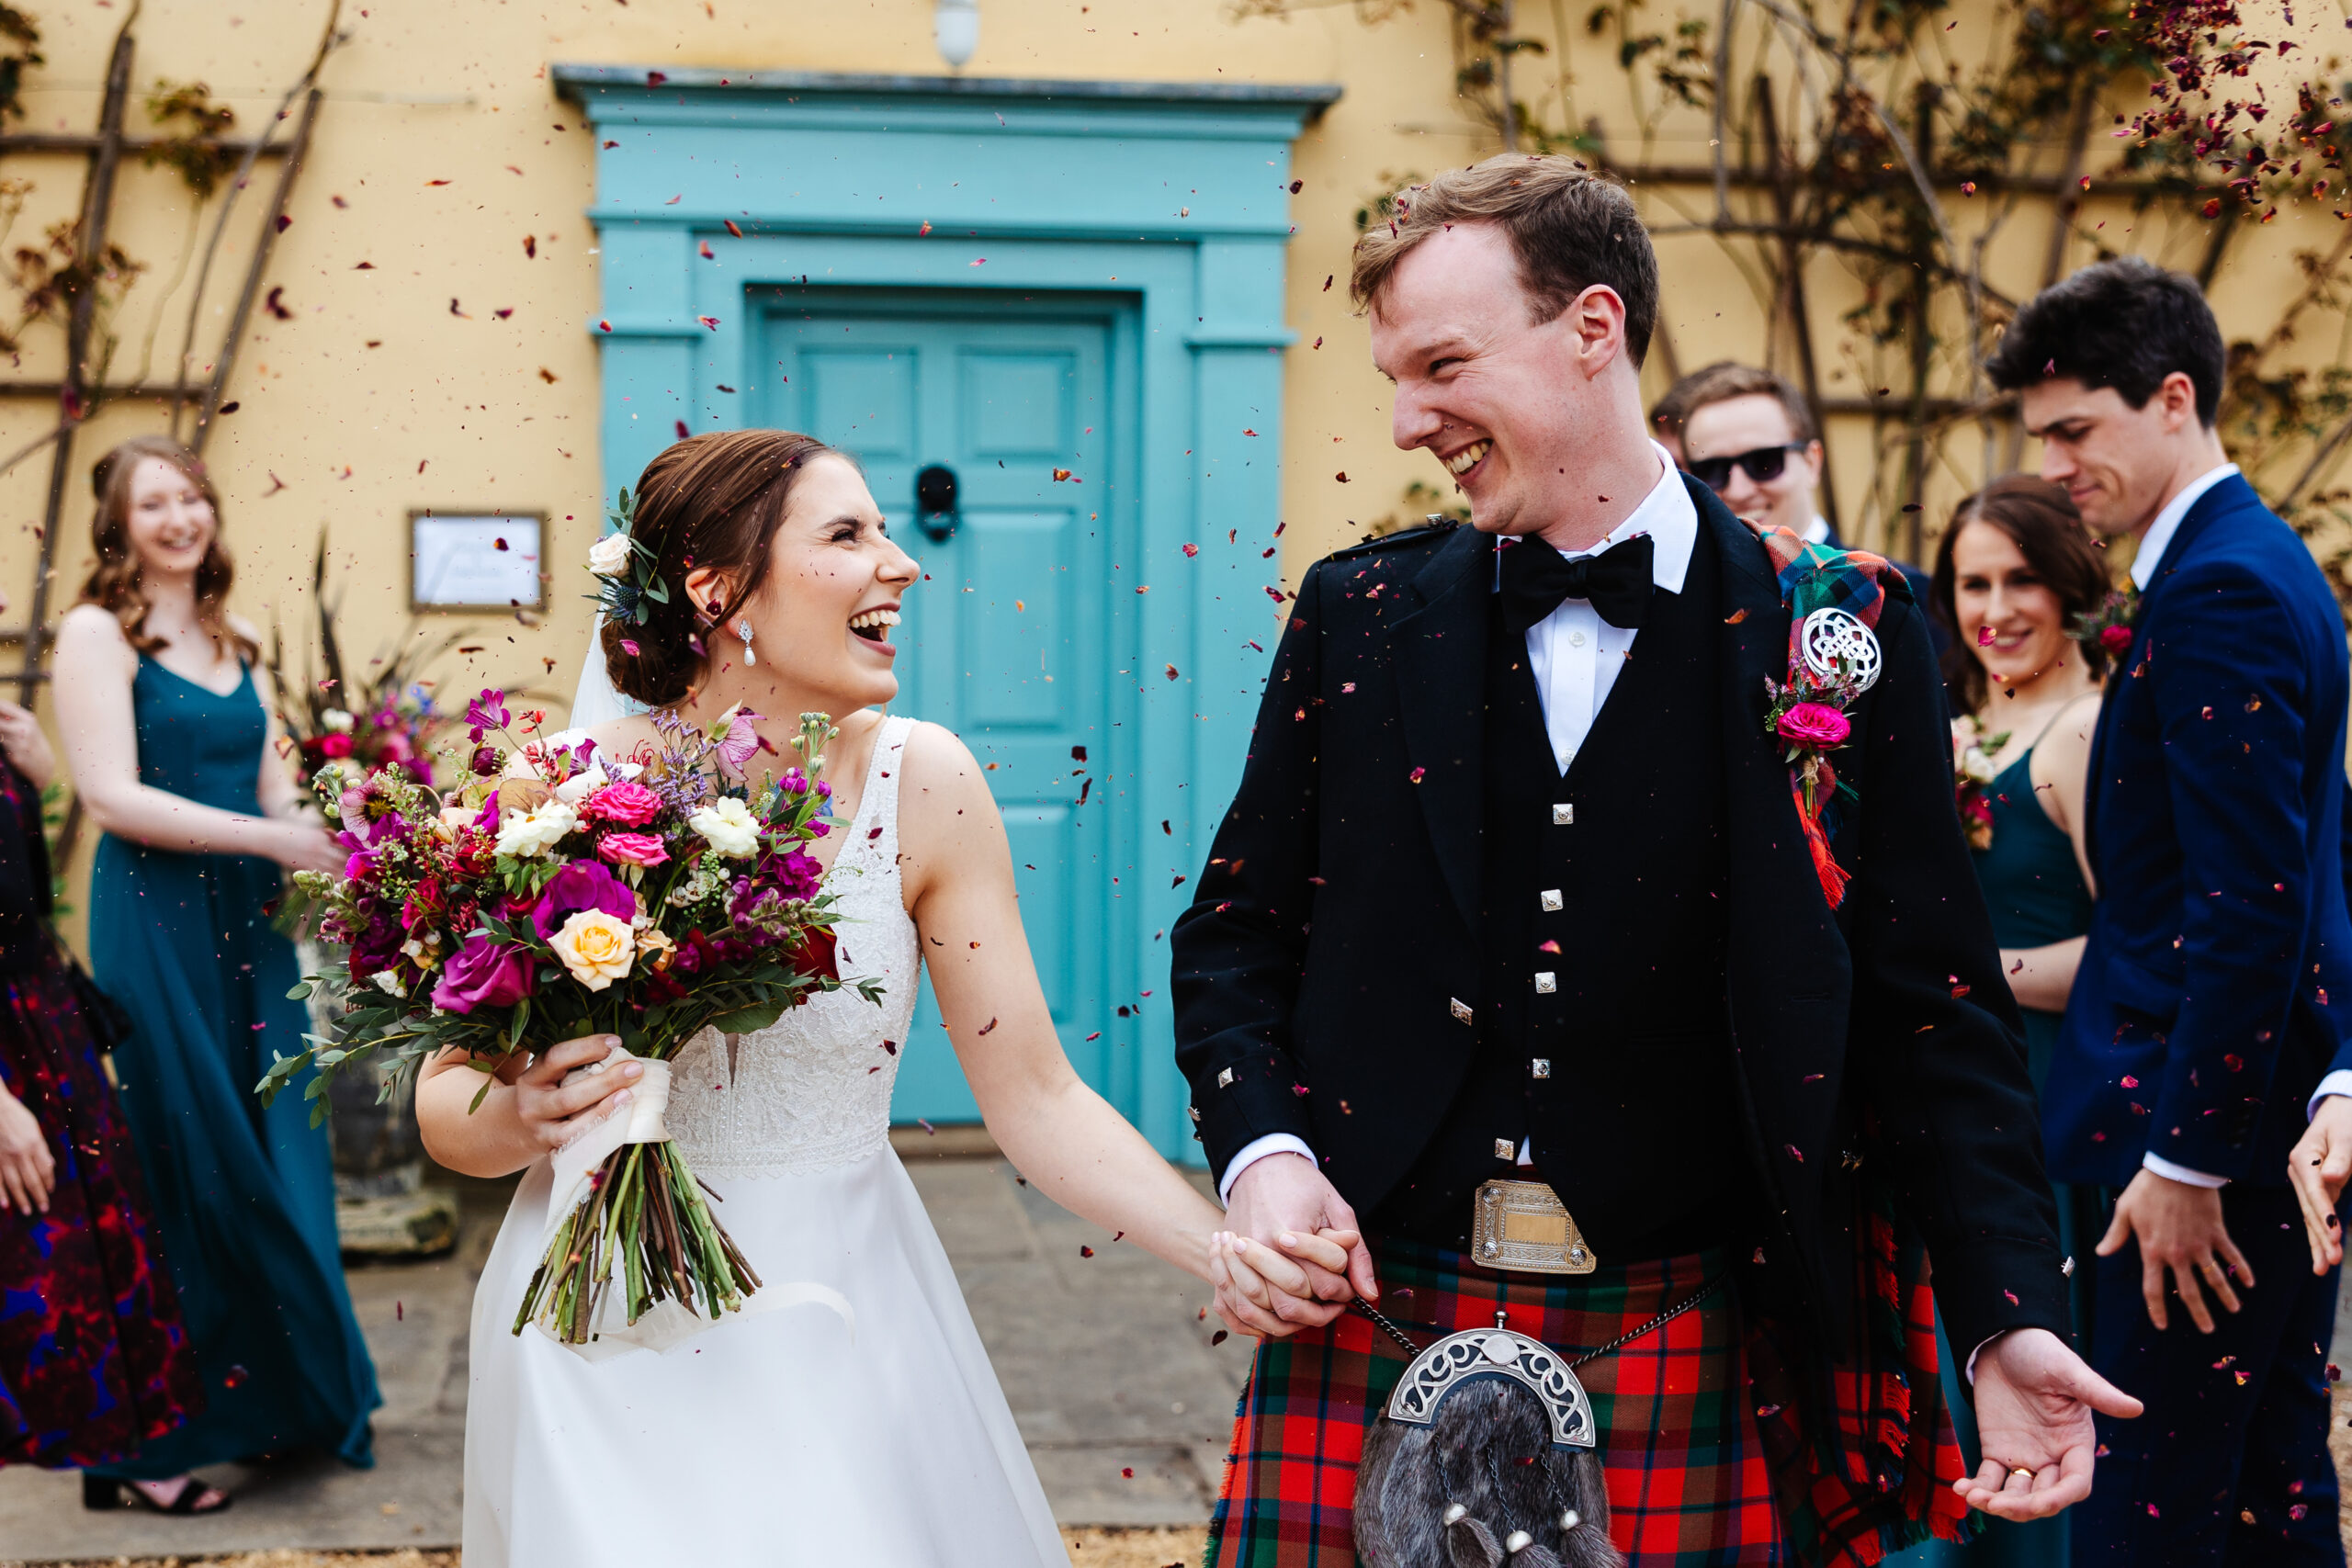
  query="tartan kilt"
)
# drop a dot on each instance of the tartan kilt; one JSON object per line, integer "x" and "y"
{"x": 1686, "y": 1470}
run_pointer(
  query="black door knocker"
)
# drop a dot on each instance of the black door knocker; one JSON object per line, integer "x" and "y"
{"x": 935, "y": 502}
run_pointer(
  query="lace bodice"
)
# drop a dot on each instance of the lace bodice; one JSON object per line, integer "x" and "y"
{"x": 814, "y": 1090}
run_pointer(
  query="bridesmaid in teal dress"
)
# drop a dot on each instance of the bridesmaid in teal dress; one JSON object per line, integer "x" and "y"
{"x": 169, "y": 745}
{"x": 2014, "y": 570}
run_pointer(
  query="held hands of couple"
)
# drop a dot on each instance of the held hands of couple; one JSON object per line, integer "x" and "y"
{"x": 1292, "y": 1255}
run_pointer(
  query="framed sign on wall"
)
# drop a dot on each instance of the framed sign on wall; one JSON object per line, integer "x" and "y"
{"x": 476, "y": 561}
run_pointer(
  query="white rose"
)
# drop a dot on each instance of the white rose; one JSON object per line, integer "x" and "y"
{"x": 528, "y": 833}
{"x": 729, "y": 827}
{"x": 609, "y": 557}
{"x": 389, "y": 980}
{"x": 337, "y": 721}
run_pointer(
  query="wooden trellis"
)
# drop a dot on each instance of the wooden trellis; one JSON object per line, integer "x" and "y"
{"x": 77, "y": 396}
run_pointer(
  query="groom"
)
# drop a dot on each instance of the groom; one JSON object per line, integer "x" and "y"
{"x": 1513, "y": 935}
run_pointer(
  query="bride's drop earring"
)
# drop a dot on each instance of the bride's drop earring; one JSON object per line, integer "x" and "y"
{"x": 744, "y": 630}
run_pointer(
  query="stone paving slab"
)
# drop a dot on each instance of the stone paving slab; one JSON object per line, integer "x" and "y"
{"x": 1124, "y": 1399}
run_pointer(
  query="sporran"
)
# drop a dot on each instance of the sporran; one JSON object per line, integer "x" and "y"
{"x": 1487, "y": 1455}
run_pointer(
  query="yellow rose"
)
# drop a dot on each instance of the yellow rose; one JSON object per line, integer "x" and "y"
{"x": 658, "y": 949}
{"x": 596, "y": 947}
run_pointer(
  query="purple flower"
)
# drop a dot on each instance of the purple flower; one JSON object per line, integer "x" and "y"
{"x": 378, "y": 947}
{"x": 582, "y": 884}
{"x": 484, "y": 760}
{"x": 486, "y": 712}
{"x": 792, "y": 874}
{"x": 484, "y": 973}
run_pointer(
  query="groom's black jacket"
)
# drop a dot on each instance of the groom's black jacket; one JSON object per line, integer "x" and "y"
{"x": 1337, "y": 925}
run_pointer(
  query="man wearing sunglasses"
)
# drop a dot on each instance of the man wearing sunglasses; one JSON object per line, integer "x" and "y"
{"x": 1748, "y": 437}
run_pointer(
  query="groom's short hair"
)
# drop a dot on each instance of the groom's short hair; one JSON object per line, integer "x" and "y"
{"x": 1570, "y": 228}
{"x": 2125, "y": 323}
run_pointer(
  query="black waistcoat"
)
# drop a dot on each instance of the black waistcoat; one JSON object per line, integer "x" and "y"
{"x": 1602, "y": 1028}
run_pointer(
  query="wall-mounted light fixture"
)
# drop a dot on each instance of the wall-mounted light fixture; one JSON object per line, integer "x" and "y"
{"x": 955, "y": 27}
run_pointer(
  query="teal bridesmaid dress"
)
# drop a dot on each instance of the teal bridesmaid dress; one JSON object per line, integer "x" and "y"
{"x": 2035, "y": 890}
{"x": 245, "y": 1196}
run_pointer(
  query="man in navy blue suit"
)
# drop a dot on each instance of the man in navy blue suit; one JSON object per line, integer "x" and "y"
{"x": 2213, "y": 991}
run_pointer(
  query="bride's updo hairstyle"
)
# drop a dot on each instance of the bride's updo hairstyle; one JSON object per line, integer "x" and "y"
{"x": 712, "y": 500}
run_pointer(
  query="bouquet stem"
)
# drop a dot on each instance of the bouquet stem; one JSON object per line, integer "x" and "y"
{"x": 645, "y": 1216}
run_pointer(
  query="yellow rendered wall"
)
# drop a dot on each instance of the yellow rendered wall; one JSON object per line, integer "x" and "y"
{"x": 403, "y": 383}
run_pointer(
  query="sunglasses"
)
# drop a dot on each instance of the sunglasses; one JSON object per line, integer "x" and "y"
{"x": 1764, "y": 465}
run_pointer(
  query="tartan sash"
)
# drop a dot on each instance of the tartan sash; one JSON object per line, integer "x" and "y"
{"x": 1813, "y": 578}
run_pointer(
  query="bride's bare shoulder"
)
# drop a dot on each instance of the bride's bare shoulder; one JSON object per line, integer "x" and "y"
{"x": 938, "y": 763}
{"x": 945, "y": 808}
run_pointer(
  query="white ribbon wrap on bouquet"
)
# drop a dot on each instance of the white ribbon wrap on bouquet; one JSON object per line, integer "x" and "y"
{"x": 667, "y": 1323}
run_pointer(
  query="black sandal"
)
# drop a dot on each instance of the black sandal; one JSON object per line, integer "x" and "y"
{"x": 100, "y": 1492}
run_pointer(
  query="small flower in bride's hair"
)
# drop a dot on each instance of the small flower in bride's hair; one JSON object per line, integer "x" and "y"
{"x": 1815, "y": 724}
{"x": 729, "y": 826}
{"x": 609, "y": 557}
{"x": 596, "y": 947}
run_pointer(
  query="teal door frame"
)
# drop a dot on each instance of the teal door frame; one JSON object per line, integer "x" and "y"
{"x": 715, "y": 185}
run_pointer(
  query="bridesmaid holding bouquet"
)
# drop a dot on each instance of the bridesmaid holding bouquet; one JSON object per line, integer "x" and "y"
{"x": 169, "y": 747}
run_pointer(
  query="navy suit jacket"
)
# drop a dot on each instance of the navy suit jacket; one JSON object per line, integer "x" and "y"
{"x": 2217, "y": 983}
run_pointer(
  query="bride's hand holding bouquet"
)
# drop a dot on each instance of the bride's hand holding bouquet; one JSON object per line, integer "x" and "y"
{"x": 583, "y": 916}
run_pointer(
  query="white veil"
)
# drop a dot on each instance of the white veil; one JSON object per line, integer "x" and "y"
{"x": 595, "y": 700}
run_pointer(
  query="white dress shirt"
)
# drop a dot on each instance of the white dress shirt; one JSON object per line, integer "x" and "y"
{"x": 1575, "y": 657}
{"x": 2153, "y": 542}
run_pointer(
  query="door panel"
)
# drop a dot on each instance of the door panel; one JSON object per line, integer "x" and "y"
{"x": 1008, "y": 641}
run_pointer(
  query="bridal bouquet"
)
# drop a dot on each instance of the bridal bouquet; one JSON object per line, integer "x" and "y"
{"x": 560, "y": 894}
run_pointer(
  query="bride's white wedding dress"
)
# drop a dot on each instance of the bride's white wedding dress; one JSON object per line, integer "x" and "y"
{"x": 788, "y": 1436}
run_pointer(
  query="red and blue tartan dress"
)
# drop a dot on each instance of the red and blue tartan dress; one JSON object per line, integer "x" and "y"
{"x": 94, "y": 1361}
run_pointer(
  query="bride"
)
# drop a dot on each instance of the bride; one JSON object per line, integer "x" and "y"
{"x": 850, "y": 1415}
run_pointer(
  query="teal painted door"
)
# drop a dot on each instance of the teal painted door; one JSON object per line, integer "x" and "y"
{"x": 1007, "y": 640}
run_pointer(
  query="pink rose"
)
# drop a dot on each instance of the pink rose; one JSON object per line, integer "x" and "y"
{"x": 335, "y": 745}
{"x": 2117, "y": 640}
{"x": 1816, "y": 725}
{"x": 632, "y": 849}
{"x": 484, "y": 973}
{"x": 628, "y": 803}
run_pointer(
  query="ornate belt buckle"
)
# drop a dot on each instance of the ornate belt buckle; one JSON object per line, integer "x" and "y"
{"x": 1523, "y": 1226}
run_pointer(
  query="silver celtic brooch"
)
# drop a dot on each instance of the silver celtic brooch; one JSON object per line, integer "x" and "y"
{"x": 1838, "y": 646}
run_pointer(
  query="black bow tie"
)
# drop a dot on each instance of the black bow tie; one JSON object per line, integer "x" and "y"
{"x": 1536, "y": 578}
